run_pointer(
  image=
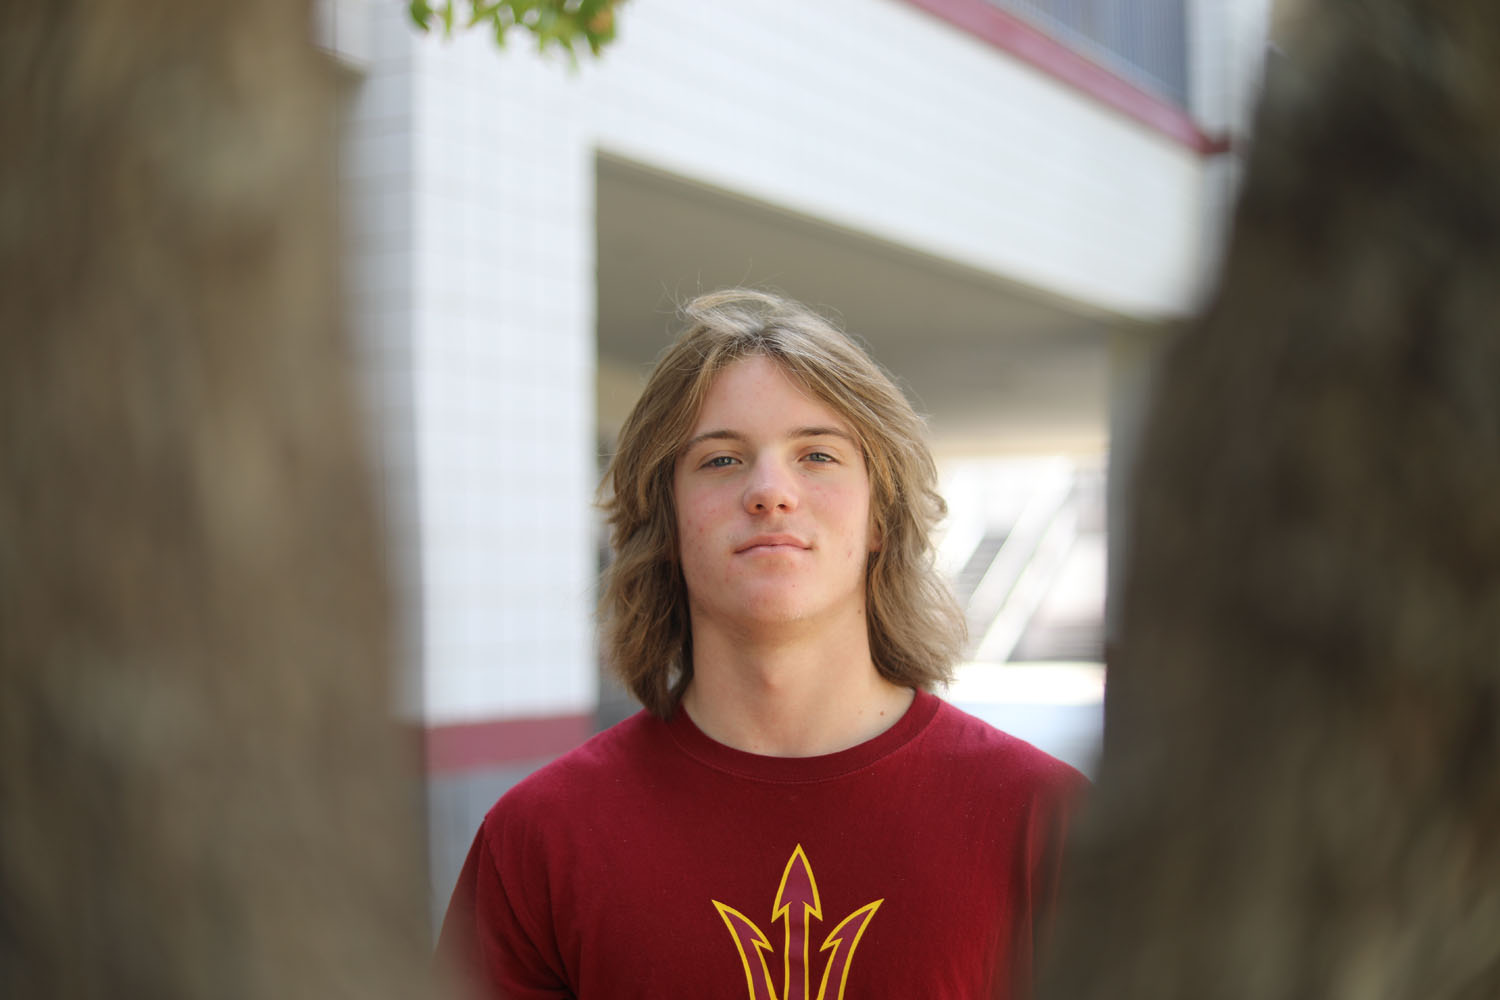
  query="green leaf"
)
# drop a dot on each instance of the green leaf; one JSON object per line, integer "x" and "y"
{"x": 484, "y": 12}
{"x": 420, "y": 13}
{"x": 567, "y": 24}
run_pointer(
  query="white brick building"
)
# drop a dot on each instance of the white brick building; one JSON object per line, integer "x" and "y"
{"x": 998, "y": 209}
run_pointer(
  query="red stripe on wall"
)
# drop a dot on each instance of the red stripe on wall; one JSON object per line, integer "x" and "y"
{"x": 466, "y": 746}
{"x": 1040, "y": 50}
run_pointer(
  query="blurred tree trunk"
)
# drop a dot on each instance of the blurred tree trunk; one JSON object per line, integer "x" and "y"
{"x": 200, "y": 786}
{"x": 1300, "y": 790}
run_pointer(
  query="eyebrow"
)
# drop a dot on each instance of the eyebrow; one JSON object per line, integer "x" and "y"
{"x": 795, "y": 434}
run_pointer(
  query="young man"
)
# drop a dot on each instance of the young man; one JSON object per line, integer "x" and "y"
{"x": 794, "y": 816}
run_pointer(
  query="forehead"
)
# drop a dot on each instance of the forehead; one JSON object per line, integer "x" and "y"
{"x": 760, "y": 393}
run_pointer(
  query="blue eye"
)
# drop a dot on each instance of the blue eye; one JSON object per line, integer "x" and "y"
{"x": 718, "y": 462}
{"x": 820, "y": 456}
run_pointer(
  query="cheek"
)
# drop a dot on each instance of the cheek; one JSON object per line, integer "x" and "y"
{"x": 697, "y": 520}
{"x": 695, "y": 516}
{"x": 855, "y": 520}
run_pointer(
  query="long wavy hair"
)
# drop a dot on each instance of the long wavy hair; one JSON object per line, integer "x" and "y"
{"x": 915, "y": 628}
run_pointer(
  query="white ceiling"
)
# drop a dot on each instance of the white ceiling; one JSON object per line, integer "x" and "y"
{"x": 997, "y": 367}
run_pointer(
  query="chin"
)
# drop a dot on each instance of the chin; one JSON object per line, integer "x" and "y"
{"x": 777, "y": 609}
{"x": 774, "y": 613}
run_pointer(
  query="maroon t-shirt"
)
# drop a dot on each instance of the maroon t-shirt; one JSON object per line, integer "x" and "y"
{"x": 655, "y": 862}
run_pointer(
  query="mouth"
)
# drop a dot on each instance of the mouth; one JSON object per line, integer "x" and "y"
{"x": 772, "y": 542}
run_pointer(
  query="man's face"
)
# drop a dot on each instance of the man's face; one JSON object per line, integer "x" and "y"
{"x": 773, "y": 506}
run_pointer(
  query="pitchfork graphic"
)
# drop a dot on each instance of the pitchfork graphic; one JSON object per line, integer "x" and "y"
{"x": 796, "y": 906}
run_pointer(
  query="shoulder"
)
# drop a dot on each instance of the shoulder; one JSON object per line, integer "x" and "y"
{"x": 995, "y": 757}
{"x": 584, "y": 779}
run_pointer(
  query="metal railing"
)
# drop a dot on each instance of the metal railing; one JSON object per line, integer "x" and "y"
{"x": 1144, "y": 41}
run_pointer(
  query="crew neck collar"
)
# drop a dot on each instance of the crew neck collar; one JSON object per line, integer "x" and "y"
{"x": 692, "y": 741}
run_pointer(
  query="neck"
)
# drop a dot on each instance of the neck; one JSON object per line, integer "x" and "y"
{"x": 790, "y": 698}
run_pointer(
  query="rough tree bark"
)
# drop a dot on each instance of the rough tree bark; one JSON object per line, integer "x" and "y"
{"x": 201, "y": 789}
{"x": 1300, "y": 788}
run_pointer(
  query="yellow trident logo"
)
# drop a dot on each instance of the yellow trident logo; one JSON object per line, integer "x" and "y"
{"x": 796, "y": 905}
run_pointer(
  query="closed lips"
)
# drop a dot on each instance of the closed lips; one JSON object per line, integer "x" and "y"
{"x": 773, "y": 541}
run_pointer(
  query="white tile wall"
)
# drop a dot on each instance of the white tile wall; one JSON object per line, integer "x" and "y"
{"x": 503, "y": 267}
{"x": 474, "y": 168}
{"x": 376, "y": 173}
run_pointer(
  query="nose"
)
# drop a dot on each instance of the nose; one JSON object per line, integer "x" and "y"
{"x": 770, "y": 488}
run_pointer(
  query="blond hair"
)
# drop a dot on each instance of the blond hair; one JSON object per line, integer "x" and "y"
{"x": 915, "y": 628}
